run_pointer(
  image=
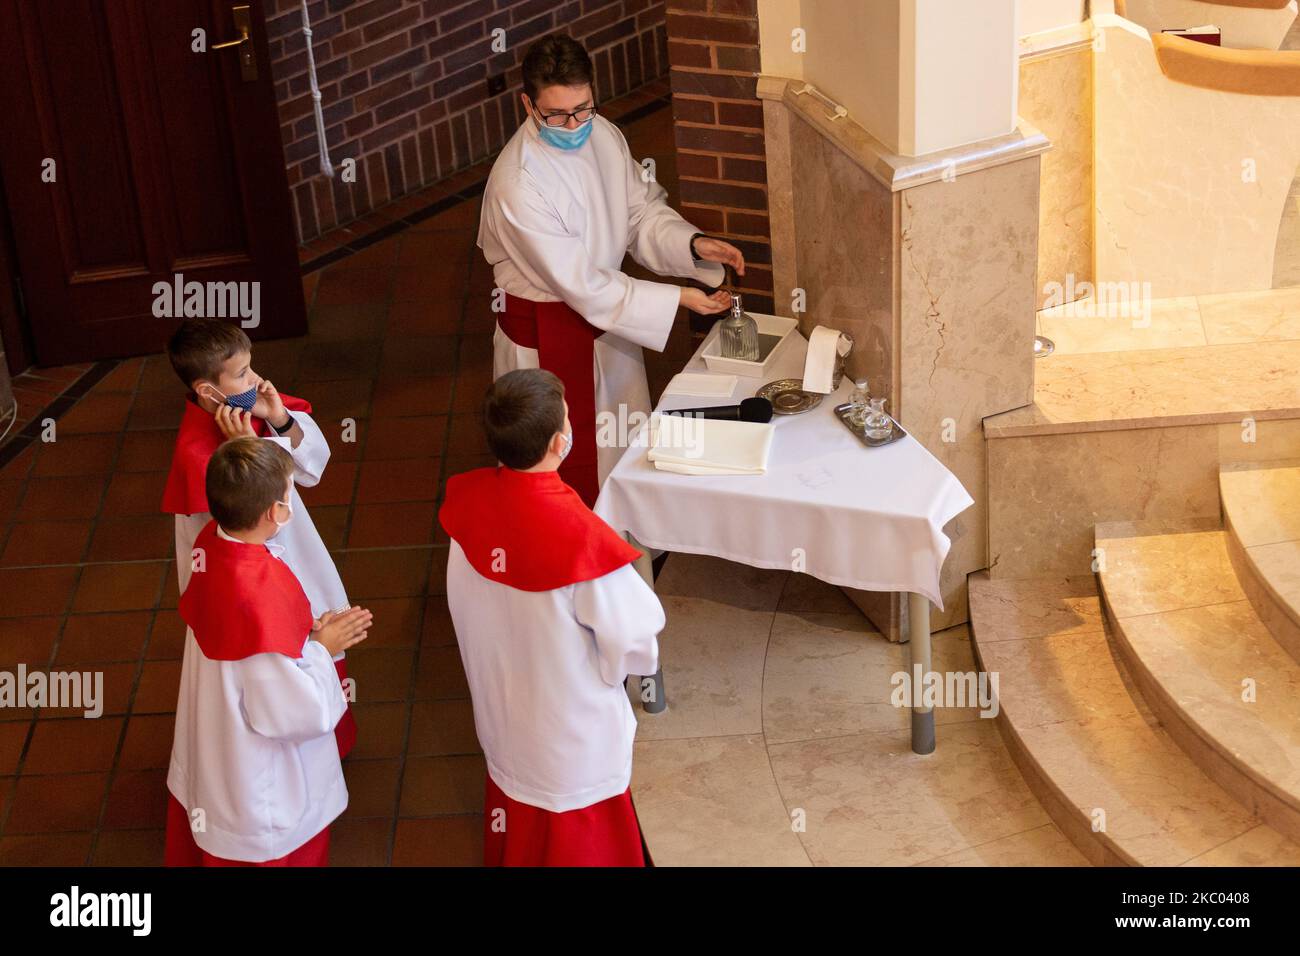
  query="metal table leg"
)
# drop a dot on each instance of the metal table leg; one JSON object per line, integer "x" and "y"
{"x": 658, "y": 701}
{"x": 918, "y": 631}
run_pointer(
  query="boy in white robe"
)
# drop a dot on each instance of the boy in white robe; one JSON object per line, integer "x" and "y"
{"x": 255, "y": 778}
{"x": 551, "y": 617}
{"x": 228, "y": 400}
{"x": 562, "y": 206}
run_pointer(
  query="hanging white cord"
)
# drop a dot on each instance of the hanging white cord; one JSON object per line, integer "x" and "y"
{"x": 326, "y": 167}
{"x": 12, "y": 421}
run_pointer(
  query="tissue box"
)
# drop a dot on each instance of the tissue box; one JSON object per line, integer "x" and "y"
{"x": 772, "y": 326}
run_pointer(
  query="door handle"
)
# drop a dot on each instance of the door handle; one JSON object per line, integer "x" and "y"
{"x": 247, "y": 59}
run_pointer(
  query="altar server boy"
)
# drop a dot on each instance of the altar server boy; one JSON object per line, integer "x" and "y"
{"x": 255, "y": 776}
{"x": 564, "y": 203}
{"x": 551, "y": 617}
{"x": 228, "y": 400}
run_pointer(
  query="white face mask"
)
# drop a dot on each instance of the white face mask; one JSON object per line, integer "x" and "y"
{"x": 568, "y": 445}
{"x": 287, "y": 507}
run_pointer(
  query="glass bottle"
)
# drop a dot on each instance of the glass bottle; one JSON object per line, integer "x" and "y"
{"x": 738, "y": 334}
{"x": 877, "y": 425}
{"x": 858, "y": 398}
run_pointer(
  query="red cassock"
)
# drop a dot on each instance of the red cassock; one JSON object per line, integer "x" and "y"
{"x": 566, "y": 344}
{"x": 246, "y": 602}
{"x": 551, "y": 540}
{"x": 186, "y": 494}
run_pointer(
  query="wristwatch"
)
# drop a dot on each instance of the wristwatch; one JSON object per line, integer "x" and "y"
{"x": 287, "y": 425}
{"x": 698, "y": 235}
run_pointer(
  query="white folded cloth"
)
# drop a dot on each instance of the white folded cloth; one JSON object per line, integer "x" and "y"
{"x": 702, "y": 383}
{"x": 706, "y": 446}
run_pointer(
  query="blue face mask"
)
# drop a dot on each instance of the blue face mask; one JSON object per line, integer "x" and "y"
{"x": 566, "y": 138}
{"x": 244, "y": 400}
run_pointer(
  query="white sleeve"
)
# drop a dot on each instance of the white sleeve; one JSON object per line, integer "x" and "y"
{"x": 625, "y": 617}
{"x": 531, "y": 232}
{"x": 312, "y": 453}
{"x": 287, "y": 699}
{"x": 187, "y": 531}
{"x": 658, "y": 237}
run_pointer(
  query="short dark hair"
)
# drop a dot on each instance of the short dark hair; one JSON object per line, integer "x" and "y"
{"x": 245, "y": 477}
{"x": 556, "y": 60}
{"x": 199, "y": 346}
{"x": 522, "y": 411}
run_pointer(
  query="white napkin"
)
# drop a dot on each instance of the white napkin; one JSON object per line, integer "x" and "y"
{"x": 824, "y": 345}
{"x": 703, "y": 384}
{"x": 707, "y": 446}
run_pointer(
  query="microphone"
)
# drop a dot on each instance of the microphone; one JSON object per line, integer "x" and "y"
{"x": 750, "y": 410}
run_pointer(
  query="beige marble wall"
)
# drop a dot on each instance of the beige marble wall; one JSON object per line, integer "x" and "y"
{"x": 1190, "y": 182}
{"x": 1056, "y": 97}
{"x": 1053, "y": 489}
{"x": 845, "y": 224}
{"x": 967, "y": 302}
{"x": 931, "y": 265}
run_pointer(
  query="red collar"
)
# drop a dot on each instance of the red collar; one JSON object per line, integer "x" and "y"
{"x": 199, "y": 436}
{"x": 529, "y": 530}
{"x": 241, "y": 601}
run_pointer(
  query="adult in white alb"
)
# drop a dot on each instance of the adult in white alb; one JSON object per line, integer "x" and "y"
{"x": 564, "y": 203}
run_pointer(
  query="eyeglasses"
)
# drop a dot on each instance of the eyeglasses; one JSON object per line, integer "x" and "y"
{"x": 562, "y": 119}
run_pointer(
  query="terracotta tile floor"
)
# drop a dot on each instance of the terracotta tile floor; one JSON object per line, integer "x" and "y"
{"x": 399, "y": 346}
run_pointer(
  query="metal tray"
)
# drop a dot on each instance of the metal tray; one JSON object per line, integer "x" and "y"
{"x": 788, "y": 397}
{"x": 842, "y": 413}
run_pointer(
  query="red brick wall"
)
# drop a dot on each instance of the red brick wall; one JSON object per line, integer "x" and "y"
{"x": 713, "y": 53}
{"x": 404, "y": 86}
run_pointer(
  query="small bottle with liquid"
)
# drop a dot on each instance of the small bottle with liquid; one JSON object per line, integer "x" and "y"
{"x": 738, "y": 334}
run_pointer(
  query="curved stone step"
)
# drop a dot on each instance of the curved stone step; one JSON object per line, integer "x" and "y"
{"x": 1093, "y": 754}
{"x": 1261, "y": 512}
{"x": 1211, "y": 672}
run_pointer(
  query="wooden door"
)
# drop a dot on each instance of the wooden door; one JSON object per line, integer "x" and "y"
{"x": 166, "y": 162}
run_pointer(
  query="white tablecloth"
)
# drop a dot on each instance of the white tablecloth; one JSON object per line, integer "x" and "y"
{"x": 867, "y": 518}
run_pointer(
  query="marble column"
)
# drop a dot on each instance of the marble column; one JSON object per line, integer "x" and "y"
{"x": 930, "y": 263}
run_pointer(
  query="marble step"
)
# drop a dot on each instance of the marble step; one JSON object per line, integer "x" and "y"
{"x": 1203, "y": 660}
{"x": 1261, "y": 512}
{"x": 1110, "y": 777}
{"x": 1157, "y": 388}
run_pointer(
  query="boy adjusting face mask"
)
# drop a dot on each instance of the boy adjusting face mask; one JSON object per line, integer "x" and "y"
{"x": 243, "y": 400}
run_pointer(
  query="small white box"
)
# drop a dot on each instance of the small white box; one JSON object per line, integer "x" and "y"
{"x": 767, "y": 325}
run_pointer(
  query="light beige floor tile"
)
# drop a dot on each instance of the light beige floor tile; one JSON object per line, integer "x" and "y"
{"x": 1085, "y": 326}
{"x": 1270, "y": 315}
{"x": 712, "y": 658}
{"x": 1042, "y": 846}
{"x": 723, "y": 582}
{"x": 1014, "y": 610}
{"x": 870, "y": 801}
{"x": 712, "y": 802}
{"x": 1260, "y": 846}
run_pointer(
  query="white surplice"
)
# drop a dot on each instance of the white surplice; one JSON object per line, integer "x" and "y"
{"x": 546, "y": 672}
{"x": 254, "y": 747}
{"x": 555, "y": 225}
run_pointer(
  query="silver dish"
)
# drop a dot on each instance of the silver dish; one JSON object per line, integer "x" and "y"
{"x": 788, "y": 397}
{"x": 896, "y": 432}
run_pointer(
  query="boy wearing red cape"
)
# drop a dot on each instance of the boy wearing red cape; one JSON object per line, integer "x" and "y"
{"x": 255, "y": 776}
{"x": 229, "y": 400}
{"x": 551, "y": 617}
